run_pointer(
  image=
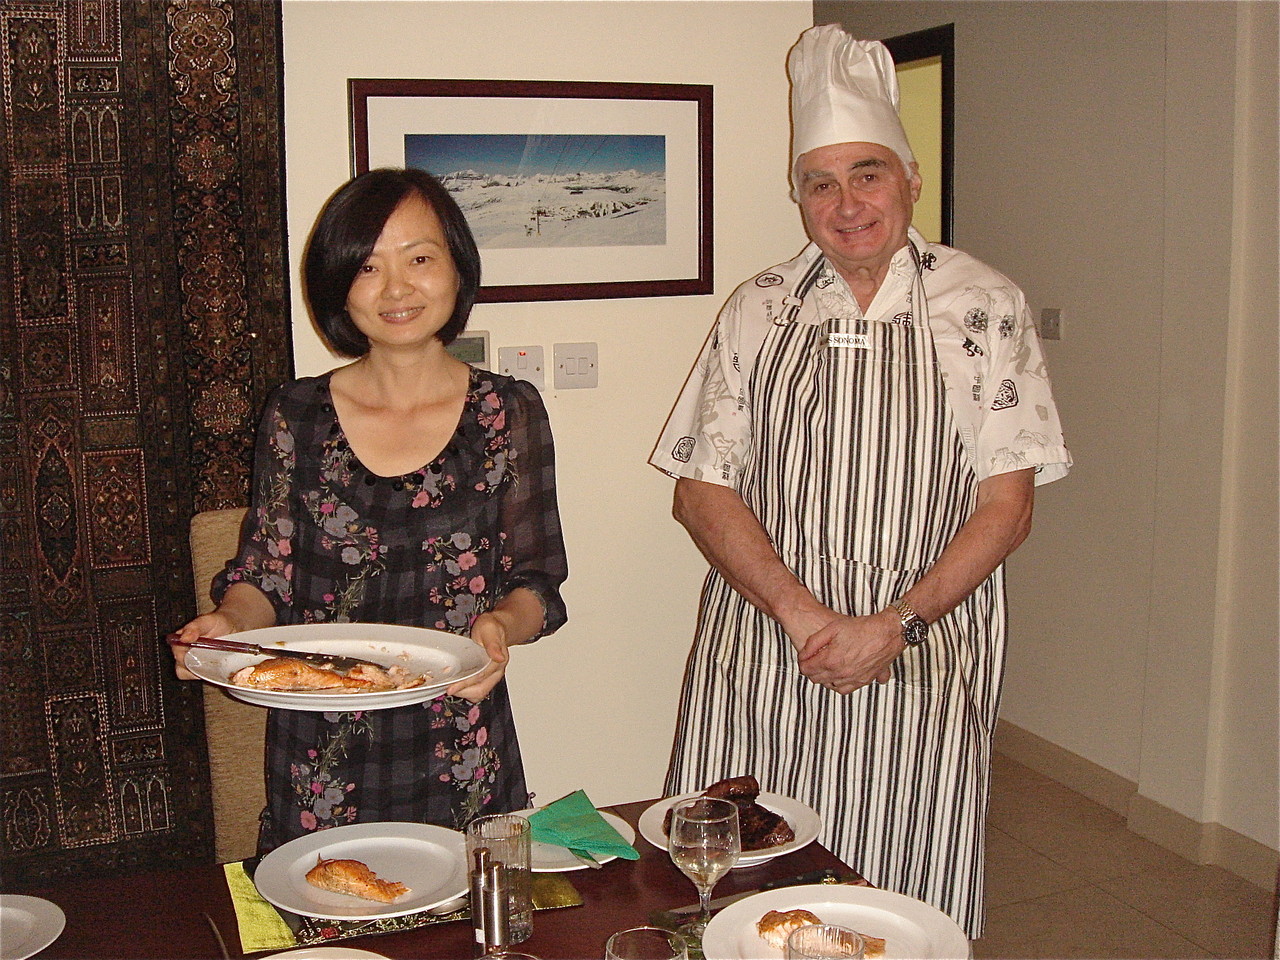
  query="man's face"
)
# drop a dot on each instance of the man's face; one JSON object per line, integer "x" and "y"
{"x": 857, "y": 200}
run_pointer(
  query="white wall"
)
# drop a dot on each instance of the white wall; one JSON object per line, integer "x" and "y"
{"x": 1119, "y": 161}
{"x": 596, "y": 702}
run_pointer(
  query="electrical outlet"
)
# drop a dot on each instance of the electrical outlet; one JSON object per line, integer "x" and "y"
{"x": 523, "y": 363}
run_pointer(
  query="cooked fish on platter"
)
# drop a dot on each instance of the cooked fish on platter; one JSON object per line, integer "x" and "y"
{"x": 354, "y": 878}
{"x": 288, "y": 674}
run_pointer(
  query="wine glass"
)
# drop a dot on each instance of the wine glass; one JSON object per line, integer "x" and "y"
{"x": 704, "y": 843}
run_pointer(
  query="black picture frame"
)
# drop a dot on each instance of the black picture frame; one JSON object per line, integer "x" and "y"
{"x": 683, "y": 266}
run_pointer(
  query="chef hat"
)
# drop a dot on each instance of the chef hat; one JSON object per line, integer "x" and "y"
{"x": 843, "y": 91}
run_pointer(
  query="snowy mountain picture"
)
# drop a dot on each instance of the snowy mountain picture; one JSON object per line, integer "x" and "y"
{"x": 551, "y": 190}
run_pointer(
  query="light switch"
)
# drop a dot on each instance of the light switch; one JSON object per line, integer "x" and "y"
{"x": 575, "y": 365}
{"x": 1051, "y": 323}
{"x": 523, "y": 363}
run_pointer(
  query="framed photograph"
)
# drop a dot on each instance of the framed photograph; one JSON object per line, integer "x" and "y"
{"x": 574, "y": 191}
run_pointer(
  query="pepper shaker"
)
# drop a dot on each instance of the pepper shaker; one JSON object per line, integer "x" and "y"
{"x": 479, "y": 901}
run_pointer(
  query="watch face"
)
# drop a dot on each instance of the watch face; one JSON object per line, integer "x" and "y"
{"x": 915, "y": 632}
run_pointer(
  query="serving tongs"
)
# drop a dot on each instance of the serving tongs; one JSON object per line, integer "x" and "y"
{"x": 239, "y": 646}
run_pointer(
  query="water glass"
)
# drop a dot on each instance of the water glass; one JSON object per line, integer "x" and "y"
{"x": 506, "y": 836}
{"x": 645, "y": 943}
{"x": 824, "y": 941}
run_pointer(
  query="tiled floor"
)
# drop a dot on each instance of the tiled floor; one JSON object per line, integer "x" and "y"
{"x": 1065, "y": 878}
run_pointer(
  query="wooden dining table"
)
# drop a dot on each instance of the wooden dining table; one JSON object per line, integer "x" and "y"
{"x": 172, "y": 913}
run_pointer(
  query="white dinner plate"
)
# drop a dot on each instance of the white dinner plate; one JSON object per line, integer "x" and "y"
{"x": 27, "y": 925}
{"x": 429, "y": 860}
{"x": 910, "y": 928}
{"x": 805, "y": 823}
{"x": 549, "y": 858}
{"x": 444, "y": 657}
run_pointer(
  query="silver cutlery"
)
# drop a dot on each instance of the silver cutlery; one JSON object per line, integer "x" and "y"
{"x": 239, "y": 646}
{"x": 585, "y": 857}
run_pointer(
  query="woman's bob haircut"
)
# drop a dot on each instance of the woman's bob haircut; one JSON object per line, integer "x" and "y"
{"x": 345, "y": 234}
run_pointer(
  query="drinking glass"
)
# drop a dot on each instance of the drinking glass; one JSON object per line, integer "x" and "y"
{"x": 704, "y": 843}
{"x": 645, "y": 943}
{"x": 824, "y": 941}
{"x": 506, "y": 836}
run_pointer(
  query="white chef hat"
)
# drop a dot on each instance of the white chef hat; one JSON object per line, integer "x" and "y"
{"x": 843, "y": 91}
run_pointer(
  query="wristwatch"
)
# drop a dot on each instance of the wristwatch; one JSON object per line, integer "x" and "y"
{"x": 915, "y": 630}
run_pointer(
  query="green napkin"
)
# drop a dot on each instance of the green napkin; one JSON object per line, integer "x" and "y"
{"x": 574, "y": 822}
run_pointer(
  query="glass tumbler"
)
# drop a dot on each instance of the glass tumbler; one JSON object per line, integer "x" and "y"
{"x": 506, "y": 836}
{"x": 824, "y": 941}
{"x": 645, "y": 943}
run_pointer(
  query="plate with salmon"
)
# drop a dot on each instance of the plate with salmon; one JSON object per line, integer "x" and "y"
{"x": 365, "y": 871}
{"x": 412, "y": 664}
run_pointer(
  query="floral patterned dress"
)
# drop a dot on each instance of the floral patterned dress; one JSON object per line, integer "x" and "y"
{"x": 328, "y": 541}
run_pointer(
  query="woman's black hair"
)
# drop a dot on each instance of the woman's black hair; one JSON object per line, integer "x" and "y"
{"x": 344, "y": 237}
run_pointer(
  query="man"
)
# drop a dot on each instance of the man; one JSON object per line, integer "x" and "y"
{"x": 856, "y": 453}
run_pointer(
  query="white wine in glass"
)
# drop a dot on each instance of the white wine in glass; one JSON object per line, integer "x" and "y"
{"x": 704, "y": 843}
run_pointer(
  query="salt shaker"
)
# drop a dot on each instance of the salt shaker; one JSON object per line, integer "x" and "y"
{"x": 497, "y": 907}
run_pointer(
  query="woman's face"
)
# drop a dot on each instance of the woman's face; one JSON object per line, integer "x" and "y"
{"x": 405, "y": 292}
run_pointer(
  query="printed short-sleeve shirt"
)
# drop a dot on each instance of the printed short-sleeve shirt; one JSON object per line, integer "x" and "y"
{"x": 989, "y": 354}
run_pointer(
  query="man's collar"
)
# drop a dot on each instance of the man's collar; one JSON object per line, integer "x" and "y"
{"x": 902, "y": 265}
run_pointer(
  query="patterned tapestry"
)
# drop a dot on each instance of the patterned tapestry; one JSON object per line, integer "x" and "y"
{"x": 144, "y": 318}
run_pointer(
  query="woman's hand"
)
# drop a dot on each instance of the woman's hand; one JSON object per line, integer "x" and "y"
{"x": 216, "y": 624}
{"x": 490, "y": 631}
{"x": 243, "y": 607}
{"x": 514, "y": 619}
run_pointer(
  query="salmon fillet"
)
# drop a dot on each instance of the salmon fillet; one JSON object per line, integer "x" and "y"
{"x": 776, "y": 925}
{"x": 291, "y": 675}
{"x": 354, "y": 879}
{"x": 286, "y": 673}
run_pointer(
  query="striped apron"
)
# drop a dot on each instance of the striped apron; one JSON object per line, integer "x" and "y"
{"x": 860, "y": 479}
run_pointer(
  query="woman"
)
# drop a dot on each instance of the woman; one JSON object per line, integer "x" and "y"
{"x": 407, "y": 488}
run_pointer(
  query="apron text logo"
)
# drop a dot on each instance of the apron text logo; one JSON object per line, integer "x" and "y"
{"x": 849, "y": 341}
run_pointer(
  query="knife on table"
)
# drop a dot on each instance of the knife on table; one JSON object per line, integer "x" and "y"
{"x": 668, "y": 918}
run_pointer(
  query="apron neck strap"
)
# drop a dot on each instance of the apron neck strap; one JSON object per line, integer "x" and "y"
{"x": 793, "y": 301}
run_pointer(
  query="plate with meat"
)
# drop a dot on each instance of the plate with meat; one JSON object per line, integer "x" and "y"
{"x": 413, "y": 664}
{"x": 770, "y": 823}
{"x": 365, "y": 871}
{"x": 894, "y": 926}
